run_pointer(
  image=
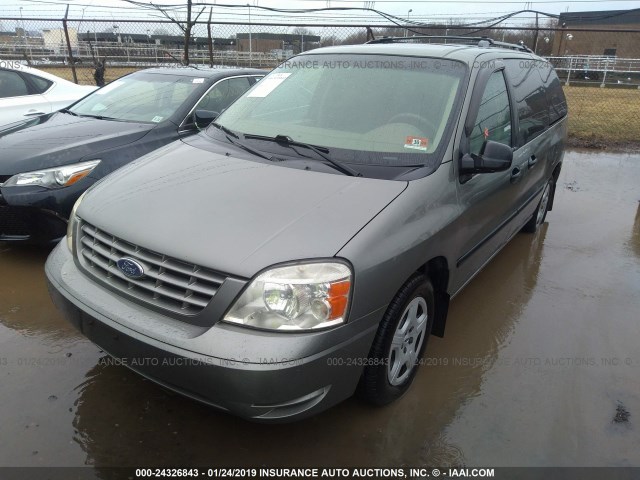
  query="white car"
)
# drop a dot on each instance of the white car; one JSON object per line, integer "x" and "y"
{"x": 26, "y": 92}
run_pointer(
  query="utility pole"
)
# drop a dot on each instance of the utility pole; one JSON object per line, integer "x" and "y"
{"x": 250, "y": 40}
{"x": 69, "y": 50}
{"x": 535, "y": 39}
{"x": 187, "y": 35}
{"x": 210, "y": 40}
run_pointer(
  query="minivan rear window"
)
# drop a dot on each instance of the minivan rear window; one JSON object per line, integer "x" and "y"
{"x": 367, "y": 109}
{"x": 555, "y": 95}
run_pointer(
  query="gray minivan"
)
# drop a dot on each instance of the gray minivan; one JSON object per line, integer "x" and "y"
{"x": 307, "y": 244}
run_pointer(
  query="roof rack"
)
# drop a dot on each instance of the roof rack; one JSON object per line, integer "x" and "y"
{"x": 477, "y": 41}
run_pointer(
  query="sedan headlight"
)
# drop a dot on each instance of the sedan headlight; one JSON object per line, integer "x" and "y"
{"x": 297, "y": 297}
{"x": 57, "y": 177}
{"x": 73, "y": 220}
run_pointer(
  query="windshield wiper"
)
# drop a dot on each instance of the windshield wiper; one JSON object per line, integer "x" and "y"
{"x": 99, "y": 117}
{"x": 225, "y": 130}
{"x": 288, "y": 141}
{"x": 231, "y": 133}
{"x": 66, "y": 110}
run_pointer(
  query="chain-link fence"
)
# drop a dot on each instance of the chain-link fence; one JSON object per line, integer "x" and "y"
{"x": 599, "y": 68}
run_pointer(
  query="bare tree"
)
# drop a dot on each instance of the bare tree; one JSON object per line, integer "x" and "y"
{"x": 184, "y": 25}
{"x": 301, "y": 31}
{"x": 99, "y": 65}
{"x": 329, "y": 41}
{"x": 356, "y": 38}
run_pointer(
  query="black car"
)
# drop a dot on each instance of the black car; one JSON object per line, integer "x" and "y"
{"x": 49, "y": 161}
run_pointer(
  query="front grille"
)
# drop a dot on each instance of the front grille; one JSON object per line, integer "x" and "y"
{"x": 14, "y": 222}
{"x": 167, "y": 283}
{"x": 4, "y": 178}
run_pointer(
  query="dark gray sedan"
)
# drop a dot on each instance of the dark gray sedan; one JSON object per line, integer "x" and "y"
{"x": 47, "y": 162}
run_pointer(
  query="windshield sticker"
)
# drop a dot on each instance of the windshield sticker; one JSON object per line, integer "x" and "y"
{"x": 108, "y": 88}
{"x": 416, "y": 143}
{"x": 268, "y": 85}
{"x": 157, "y": 119}
{"x": 198, "y": 80}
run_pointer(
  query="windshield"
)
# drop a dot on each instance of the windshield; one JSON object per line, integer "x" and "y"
{"x": 144, "y": 97}
{"x": 365, "y": 109}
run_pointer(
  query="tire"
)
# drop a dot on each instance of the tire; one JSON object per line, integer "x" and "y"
{"x": 392, "y": 366}
{"x": 540, "y": 214}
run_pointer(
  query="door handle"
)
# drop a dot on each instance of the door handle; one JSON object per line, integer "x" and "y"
{"x": 31, "y": 113}
{"x": 532, "y": 161}
{"x": 516, "y": 173}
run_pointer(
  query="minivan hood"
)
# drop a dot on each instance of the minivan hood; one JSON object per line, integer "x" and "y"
{"x": 229, "y": 214}
{"x": 60, "y": 139}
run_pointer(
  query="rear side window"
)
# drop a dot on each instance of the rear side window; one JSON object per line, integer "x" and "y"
{"x": 529, "y": 96}
{"x": 555, "y": 95}
{"x": 494, "y": 115}
{"x": 12, "y": 84}
{"x": 40, "y": 85}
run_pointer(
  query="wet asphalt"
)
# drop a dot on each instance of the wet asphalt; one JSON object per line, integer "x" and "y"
{"x": 540, "y": 365}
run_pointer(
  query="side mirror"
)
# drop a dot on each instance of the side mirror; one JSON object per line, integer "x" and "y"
{"x": 202, "y": 118}
{"x": 494, "y": 157}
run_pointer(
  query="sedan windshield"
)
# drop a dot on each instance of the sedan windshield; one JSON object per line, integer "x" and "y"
{"x": 143, "y": 97}
{"x": 363, "y": 109}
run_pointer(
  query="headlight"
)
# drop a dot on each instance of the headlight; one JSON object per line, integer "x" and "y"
{"x": 296, "y": 297}
{"x": 57, "y": 177}
{"x": 71, "y": 225}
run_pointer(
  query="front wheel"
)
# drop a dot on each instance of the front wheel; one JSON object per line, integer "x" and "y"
{"x": 540, "y": 214}
{"x": 399, "y": 344}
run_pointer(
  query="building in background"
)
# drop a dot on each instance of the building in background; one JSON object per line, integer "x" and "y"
{"x": 277, "y": 42}
{"x": 614, "y": 44}
{"x": 165, "y": 41}
{"x": 55, "y": 41}
{"x": 21, "y": 42}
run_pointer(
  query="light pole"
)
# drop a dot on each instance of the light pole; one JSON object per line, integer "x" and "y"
{"x": 24, "y": 33}
{"x": 406, "y": 31}
{"x": 569, "y": 37}
{"x": 250, "y": 41}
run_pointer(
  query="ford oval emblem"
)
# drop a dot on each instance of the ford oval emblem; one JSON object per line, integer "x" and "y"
{"x": 130, "y": 267}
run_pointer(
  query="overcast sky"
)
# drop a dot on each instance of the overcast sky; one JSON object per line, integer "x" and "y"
{"x": 466, "y": 10}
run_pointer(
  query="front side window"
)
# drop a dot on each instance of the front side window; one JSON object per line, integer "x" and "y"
{"x": 12, "y": 85}
{"x": 494, "y": 115}
{"x": 529, "y": 96}
{"x": 363, "y": 109}
{"x": 146, "y": 97}
{"x": 223, "y": 94}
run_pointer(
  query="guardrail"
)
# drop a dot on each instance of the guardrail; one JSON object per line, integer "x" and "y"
{"x": 130, "y": 54}
{"x": 603, "y": 69}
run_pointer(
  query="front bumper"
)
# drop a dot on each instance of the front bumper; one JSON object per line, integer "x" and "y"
{"x": 32, "y": 214}
{"x": 30, "y": 225}
{"x": 275, "y": 377}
